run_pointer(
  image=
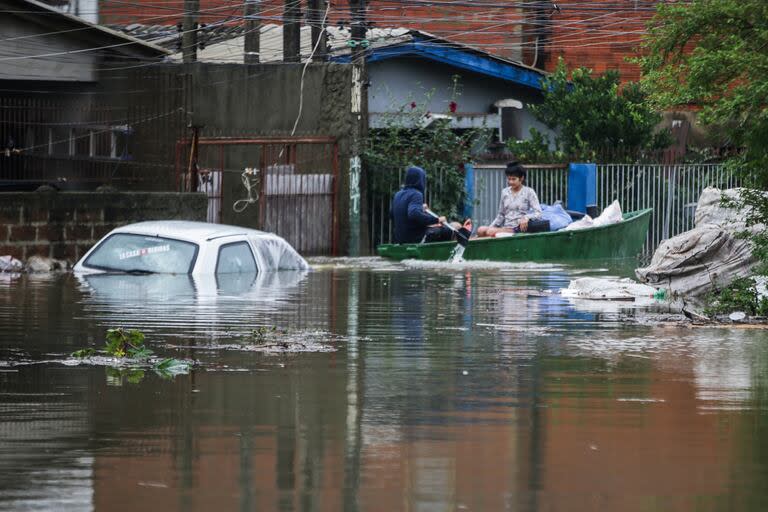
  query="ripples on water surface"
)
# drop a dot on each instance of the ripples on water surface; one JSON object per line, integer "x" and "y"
{"x": 468, "y": 386}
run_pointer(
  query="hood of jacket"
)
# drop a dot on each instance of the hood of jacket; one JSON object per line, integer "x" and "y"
{"x": 416, "y": 178}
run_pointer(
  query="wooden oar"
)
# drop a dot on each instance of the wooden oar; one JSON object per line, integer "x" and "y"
{"x": 461, "y": 238}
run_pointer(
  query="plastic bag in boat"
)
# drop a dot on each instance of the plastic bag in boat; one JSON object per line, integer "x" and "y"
{"x": 556, "y": 215}
{"x": 584, "y": 222}
{"x": 611, "y": 215}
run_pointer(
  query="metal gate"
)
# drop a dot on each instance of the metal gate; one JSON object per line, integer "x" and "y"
{"x": 287, "y": 186}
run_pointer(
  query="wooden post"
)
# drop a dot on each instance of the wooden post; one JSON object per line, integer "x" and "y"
{"x": 252, "y": 43}
{"x": 316, "y": 17}
{"x": 291, "y": 31}
{"x": 189, "y": 30}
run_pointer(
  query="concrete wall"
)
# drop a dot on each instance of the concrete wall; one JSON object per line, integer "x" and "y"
{"x": 64, "y": 225}
{"x": 232, "y": 100}
{"x": 159, "y": 103}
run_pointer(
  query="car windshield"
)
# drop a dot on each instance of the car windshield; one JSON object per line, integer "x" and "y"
{"x": 125, "y": 252}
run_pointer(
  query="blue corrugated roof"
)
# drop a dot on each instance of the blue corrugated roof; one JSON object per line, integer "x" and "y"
{"x": 457, "y": 56}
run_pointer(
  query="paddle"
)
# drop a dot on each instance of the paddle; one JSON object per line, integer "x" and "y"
{"x": 461, "y": 238}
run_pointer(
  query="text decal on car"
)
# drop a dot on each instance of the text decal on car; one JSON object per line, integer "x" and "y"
{"x": 144, "y": 251}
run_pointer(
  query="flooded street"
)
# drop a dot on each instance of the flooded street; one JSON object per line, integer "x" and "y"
{"x": 412, "y": 386}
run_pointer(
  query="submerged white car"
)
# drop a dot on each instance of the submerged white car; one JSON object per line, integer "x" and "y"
{"x": 184, "y": 247}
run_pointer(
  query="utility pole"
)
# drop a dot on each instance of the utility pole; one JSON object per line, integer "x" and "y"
{"x": 316, "y": 18}
{"x": 291, "y": 31}
{"x": 252, "y": 43}
{"x": 189, "y": 30}
{"x": 359, "y": 43}
{"x": 357, "y": 33}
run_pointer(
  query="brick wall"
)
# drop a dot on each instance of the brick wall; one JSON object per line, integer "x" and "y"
{"x": 599, "y": 34}
{"x": 64, "y": 225}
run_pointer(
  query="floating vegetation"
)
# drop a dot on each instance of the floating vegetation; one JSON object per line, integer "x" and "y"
{"x": 274, "y": 340}
{"x": 127, "y": 357}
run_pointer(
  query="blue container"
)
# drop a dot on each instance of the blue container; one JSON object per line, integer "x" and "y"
{"x": 582, "y": 186}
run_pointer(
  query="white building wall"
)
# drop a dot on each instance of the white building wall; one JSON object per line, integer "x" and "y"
{"x": 395, "y": 83}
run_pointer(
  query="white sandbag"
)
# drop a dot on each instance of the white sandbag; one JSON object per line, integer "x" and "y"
{"x": 601, "y": 288}
{"x": 584, "y": 222}
{"x": 611, "y": 215}
{"x": 709, "y": 209}
{"x": 10, "y": 264}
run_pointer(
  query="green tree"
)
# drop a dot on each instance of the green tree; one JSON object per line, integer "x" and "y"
{"x": 594, "y": 114}
{"x": 417, "y": 136}
{"x": 713, "y": 54}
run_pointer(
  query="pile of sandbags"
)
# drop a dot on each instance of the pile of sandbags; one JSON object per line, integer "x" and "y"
{"x": 708, "y": 256}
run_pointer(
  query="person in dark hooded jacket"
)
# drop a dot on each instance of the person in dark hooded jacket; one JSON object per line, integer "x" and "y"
{"x": 412, "y": 224}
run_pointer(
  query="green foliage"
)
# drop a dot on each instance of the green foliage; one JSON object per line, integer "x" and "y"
{"x": 740, "y": 295}
{"x": 594, "y": 115}
{"x": 116, "y": 376}
{"x": 169, "y": 368}
{"x": 535, "y": 150}
{"x": 263, "y": 334}
{"x": 714, "y": 54}
{"x": 83, "y": 353}
{"x": 416, "y": 136}
{"x": 129, "y": 344}
{"x": 121, "y": 343}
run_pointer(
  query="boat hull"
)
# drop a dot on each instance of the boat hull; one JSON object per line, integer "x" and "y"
{"x": 622, "y": 240}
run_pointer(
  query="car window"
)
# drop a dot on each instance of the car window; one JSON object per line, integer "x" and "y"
{"x": 127, "y": 252}
{"x": 235, "y": 258}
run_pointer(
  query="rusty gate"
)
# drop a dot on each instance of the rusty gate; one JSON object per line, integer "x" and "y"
{"x": 284, "y": 185}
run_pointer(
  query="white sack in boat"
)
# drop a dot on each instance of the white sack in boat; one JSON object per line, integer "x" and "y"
{"x": 710, "y": 255}
{"x": 607, "y": 289}
{"x": 584, "y": 222}
{"x": 611, "y": 215}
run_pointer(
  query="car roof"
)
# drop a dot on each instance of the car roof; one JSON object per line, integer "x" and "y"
{"x": 189, "y": 230}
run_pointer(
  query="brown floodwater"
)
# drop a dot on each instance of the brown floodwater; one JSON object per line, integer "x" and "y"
{"x": 410, "y": 386}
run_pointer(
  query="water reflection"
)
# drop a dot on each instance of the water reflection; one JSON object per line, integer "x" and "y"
{"x": 455, "y": 388}
{"x": 196, "y": 306}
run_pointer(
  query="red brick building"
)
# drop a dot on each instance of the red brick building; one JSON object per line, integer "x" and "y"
{"x": 598, "y": 34}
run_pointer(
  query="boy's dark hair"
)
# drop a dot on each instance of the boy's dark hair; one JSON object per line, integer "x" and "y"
{"x": 515, "y": 169}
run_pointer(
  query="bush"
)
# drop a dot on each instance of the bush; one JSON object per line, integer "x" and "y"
{"x": 594, "y": 116}
{"x": 416, "y": 136}
{"x": 740, "y": 295}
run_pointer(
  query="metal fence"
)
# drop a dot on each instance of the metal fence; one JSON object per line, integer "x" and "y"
{"x": 671, "y": 190}
{"x": 549, "y": 181}
{"x": 81, "y": 141}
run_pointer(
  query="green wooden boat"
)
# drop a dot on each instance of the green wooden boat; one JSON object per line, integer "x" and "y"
{"x": 622, "y": 240}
